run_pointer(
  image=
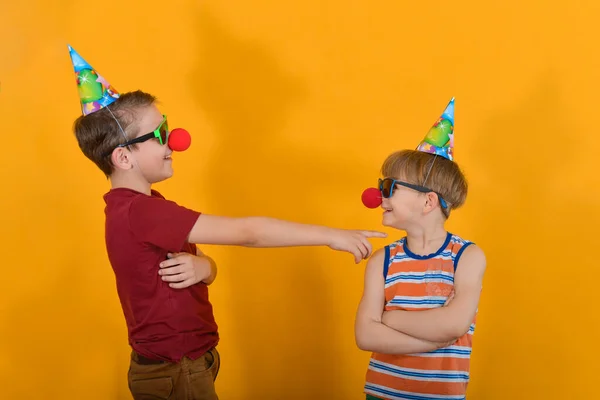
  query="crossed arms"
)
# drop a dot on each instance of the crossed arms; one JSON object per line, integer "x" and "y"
{"x": 407, "y": 332}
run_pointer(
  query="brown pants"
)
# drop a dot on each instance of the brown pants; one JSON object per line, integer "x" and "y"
{"x": 186, "y": 380}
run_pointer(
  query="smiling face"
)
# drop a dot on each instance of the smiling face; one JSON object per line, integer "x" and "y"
{"x": 404, "y": 208}
{"x": 407, "y": 206}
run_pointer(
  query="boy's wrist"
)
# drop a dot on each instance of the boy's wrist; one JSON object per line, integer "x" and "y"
{"x": 210, "y": 269}
{"x": 329, "y": 235}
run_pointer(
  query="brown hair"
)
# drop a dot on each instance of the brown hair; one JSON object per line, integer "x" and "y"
{"x": 98, "y": 133}
{"x": 445, "y": 177}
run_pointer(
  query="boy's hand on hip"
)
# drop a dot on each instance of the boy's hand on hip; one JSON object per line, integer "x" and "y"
{"x": 355, "y": 242}
{"x": 183, "y": 270}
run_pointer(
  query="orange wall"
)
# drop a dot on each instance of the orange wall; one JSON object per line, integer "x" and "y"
{"x": 293, "y": 105}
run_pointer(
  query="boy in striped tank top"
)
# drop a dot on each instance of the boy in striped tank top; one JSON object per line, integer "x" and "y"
{"x": 421, "y": 293}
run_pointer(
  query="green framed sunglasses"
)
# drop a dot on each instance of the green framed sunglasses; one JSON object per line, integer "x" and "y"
{"x": 161, "y": 133}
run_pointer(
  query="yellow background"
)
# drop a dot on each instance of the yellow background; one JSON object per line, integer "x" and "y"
{"x": 293, "y": 105}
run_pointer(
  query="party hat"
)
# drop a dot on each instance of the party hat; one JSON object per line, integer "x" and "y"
{"x": 440, "y": 138}
{"x": 94, "y": 91}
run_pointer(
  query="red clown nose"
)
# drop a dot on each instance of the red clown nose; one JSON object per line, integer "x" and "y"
{"x": 179, "y": 139}
{"x": 371, "y": 198}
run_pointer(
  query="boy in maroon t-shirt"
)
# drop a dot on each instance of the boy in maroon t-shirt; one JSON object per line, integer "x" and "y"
{"x": 162, "y": 278}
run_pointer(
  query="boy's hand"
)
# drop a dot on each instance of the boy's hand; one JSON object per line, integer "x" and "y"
{"x": 183, "y": 270}
{"x": 355, "y": 242}
{"x": 450, "y": 298}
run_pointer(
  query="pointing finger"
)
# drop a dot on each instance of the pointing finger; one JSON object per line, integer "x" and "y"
{"x": 375, "y": 234}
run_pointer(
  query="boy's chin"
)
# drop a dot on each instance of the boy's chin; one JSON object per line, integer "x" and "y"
{"x": 162, "y": 178}
{"x": 392, "y": 224}
{"x": 388, "y": 220}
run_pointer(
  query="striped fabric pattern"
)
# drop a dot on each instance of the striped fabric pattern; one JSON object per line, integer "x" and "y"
{"x": 417, "y": 283}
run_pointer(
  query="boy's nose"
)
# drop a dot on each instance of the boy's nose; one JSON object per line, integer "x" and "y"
{"x": 179, "y": 139}
{"x": 371, "y": 198}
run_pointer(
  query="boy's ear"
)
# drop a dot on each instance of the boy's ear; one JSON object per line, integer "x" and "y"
{"x": 121, "y": 158}
{"x": 431, "y": 201}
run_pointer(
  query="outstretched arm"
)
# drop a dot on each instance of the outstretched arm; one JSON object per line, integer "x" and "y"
{"x": 169, "y": 226}
{"x": 370, "y": 333}
{"x": 451, "y": 322}
{"x": 270, "y": 232}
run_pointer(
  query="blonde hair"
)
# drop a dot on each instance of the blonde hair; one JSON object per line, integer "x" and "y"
{"x": 436, "y": 173}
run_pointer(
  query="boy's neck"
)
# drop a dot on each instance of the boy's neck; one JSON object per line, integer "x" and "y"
{"x": 426, "y": 240}
{"x": 120, "y": 181}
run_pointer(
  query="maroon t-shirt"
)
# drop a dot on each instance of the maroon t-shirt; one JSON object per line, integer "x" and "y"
{"x": 163, "y": 323}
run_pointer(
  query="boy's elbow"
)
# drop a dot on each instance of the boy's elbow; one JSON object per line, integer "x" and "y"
{"x": 248, "y": 233}
{"x": 363, "y": 344}
{"x": 212, "y": 277}
{"x": 363, "y": 339}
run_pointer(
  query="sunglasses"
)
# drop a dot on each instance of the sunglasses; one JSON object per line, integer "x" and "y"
{"x": 387, "y": 185}
{"x": 161, "y": 133}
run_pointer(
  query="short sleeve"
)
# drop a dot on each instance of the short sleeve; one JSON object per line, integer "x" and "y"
{"x": 459, "y": 253}
{"x": 162, "y": 223}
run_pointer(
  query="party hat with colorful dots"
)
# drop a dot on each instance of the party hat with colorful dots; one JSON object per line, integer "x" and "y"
{"x": 95, "y": 92}
{"x": 440, "y": 138}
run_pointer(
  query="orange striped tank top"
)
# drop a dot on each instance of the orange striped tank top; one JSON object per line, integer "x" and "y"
{"x": 417, "y": 283}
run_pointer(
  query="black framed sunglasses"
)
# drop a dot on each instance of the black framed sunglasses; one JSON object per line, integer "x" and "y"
{"x": 387, "y": 185}
{"x": 161, "y": 133}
